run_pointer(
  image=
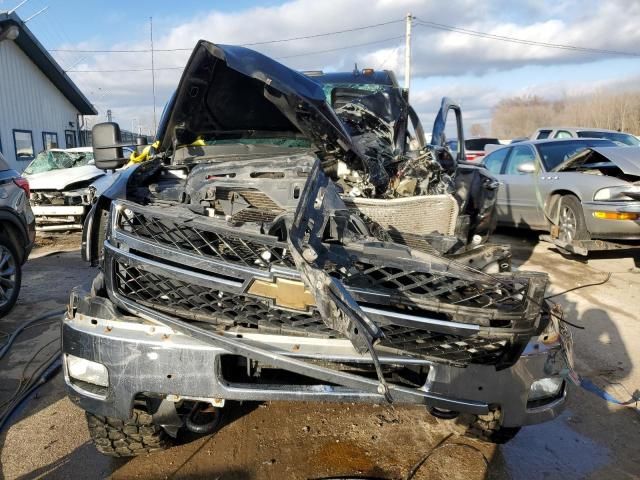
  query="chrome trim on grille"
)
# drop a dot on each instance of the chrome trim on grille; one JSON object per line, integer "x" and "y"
{"x": 432, "y": 324}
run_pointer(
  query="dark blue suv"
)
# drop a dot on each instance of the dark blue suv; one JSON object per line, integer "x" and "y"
{"x": 17, "y": 233}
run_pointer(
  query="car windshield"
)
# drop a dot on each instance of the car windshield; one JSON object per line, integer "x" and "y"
{"x": 286, "y": 142}
{"x": 365, "y": 88}
{"x": 554, "y": 153}
{"x": 57, "y": 160}
{"x": 622, "y": 138}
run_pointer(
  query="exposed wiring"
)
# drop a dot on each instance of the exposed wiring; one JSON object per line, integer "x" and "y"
{"x": 594, "y": 284}
{"x": 560, "y": 317}
{"x": 440, "y": 445}
{"x": 14, "y": 335}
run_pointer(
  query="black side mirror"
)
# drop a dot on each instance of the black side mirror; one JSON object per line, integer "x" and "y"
{"x": 107, "y": 147}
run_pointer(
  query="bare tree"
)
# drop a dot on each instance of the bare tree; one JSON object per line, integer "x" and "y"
{"x": 478, "y": 130}
{"x": 521, "y": 116}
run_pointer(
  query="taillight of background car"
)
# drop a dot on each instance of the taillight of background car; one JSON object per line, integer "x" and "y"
{"x": 472, "y": 157}
{"x": 23, "y": 183}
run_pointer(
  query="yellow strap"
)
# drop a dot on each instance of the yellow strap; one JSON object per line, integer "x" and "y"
{"x": 144, "y": 156}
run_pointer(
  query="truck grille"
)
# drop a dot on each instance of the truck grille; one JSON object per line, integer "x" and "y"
{"x": 197, "y": 240}
{"x": 262, "y": 253}
{"x": 197, "y": 303}
{"x": 507, "y": 295}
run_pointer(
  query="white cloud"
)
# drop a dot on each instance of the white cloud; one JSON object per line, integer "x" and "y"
{"x": 604, "y": 25}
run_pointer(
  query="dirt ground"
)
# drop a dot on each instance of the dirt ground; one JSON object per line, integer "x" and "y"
{"x": 591, "y": 439}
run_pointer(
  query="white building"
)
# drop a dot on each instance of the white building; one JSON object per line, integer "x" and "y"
{"x": 40, "y": 106}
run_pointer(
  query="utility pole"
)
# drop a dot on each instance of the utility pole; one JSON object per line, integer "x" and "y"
{"x": 153, "y": 78}
{"x": 407, "y": 52}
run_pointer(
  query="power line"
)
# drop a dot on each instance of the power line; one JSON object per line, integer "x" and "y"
{"x": 522, "y": 41}
{"x": 266, "y": 42}
{"x": 316, "y": 52}
{"x": 125, "y": 70}
{"x": 341, "y": 48}
{"x": 324, "y": 34}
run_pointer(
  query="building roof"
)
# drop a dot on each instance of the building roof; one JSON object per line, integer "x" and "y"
{"x": 39, "y": 55}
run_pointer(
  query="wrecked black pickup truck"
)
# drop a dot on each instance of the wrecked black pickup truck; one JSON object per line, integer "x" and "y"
{"x": 273, "y": 248}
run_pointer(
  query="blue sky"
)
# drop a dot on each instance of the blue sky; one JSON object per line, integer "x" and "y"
{"x": 477, "y": 72}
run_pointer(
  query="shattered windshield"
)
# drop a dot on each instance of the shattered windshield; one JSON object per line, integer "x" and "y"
{"x": 57, "y": 160}
{"x": 555, "y": 153}
{"x": 364, "y": 88}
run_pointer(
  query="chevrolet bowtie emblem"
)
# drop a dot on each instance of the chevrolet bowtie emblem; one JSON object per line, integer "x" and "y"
{"x": 285, "y": 293}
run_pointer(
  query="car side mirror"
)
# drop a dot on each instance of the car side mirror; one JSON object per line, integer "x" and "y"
{"x": 528, "y": 167}
{"x": 107, "y": 148}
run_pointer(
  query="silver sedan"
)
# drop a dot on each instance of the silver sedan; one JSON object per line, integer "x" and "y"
{"x": 577, "y": 189}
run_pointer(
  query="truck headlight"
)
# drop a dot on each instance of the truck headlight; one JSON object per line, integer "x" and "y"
{"x": 623, "y": 193}
{"x": 87, "y": 371}
{"x": 545, "y": 388}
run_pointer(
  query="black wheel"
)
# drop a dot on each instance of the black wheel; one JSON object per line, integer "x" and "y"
{"x": 136, "y": 436}
{"x": 487, "y": 427}
{"x": 10, "y": 275}
{"x": 571, "y": 224}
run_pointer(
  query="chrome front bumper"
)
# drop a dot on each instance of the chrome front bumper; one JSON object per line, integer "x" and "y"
{"x": 612, "y": 229}
{"x": 59, "y": 217}
{"x": 143, "y": 354}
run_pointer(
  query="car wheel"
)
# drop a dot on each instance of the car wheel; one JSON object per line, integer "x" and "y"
{"x": 10, "y": 276}
{"x": 571, "y": 224}
{"x": 136, "y": 436}
{"x": 487, "y": 427}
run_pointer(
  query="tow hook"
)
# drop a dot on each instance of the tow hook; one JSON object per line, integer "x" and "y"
{"x": 443, "y": 414}
{"x": 203, "y": 418}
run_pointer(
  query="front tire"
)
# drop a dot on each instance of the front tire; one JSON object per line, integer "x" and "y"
{"x": 10, "y": 275}
{"x": 487, "y": 427}
{"x": 571, "y": 223}
{"x": 130, "y": 438}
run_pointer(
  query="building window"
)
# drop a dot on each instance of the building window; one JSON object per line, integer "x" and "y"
{"x": 49, "y": 140}
{"x": 23, "y": 141}
{"x": 70, "y": 138}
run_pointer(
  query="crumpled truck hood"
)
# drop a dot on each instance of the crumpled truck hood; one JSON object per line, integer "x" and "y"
{"x": 627, "y": 159}
{"x": 230, "y": 90}
{"x": 62, "y": 178}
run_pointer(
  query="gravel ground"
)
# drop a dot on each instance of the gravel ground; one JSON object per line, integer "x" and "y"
{"x": 592, "y": 439}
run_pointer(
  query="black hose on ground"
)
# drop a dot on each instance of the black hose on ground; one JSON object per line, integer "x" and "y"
{"x": 50, "y": 369}
{"x": 5, "y": 348}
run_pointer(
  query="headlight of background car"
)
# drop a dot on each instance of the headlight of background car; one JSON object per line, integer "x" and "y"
{"x": 622, "y": 193}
